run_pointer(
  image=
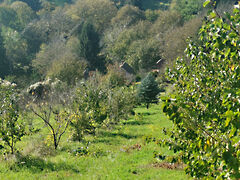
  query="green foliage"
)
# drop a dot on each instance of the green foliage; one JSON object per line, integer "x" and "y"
{"x": 134, "y": 46}
{"x": 144, "y": 4}
{"x": 4, "y": 68}
{"x": 146, "y": 41}
{"x": 99, "y": 13}
{"x": 49, "y": 101}
{"x": 113, "y": 31}
{"x": 11, "y": 130}
{"x": 8, "y": 17}
{"x": 138, "y": 32}
{"x": 205, "y": 105}
{"x": 155, "y": 4}
{"x": 34, "y": 4}
{"x": 60, "y": 2}
{"x": 67, "y": 69}
{"x": 60, "y": 60}
{"x": 127, "y": 16}
{"x": 152, "y": 15}
{"x": 148, "y": 90}
{"x": 144, "y": 55}
{"x": 88, "y": 107}
{"x": 97, "y": 105}
{"x": 88, "y": 47}
{"x": 120, "y": 104}
{"x": 16, "y": 51}
{"x": 121, "y": 3}
{"x": 166, "y": 21}
{"x": 115, "y": 76}
{"x": 175, "y": 40}
{"x": 188, "y": 8}
{"x": 24, "y": 14}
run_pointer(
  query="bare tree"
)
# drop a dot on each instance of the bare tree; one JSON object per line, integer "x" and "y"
{"x": 52, "y": 108}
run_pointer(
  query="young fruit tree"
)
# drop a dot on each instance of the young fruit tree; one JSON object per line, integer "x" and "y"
{"x": 205, "y": 107}
{"x": 11, "y": 129}
{"x": 148, "y": 90}
{"x": 48, "y": 102}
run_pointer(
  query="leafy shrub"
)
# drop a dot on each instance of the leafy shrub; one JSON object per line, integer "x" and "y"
{"x": 96, "y": 104}
{"x": 120, "y": 104}
{"x": 115, "y": 76}
{"x": 89, "y": 100}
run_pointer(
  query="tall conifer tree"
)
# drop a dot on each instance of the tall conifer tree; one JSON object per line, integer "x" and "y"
{"x": 89, "y": 46}
{"x": 4, "y": 68}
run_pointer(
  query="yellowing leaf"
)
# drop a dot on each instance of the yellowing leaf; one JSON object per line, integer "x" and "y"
{"x": 208, "y": 142}
{"x": 227, "y": 122}
{"x": 206, "y": 3}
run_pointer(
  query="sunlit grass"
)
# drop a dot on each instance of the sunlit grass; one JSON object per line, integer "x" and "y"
{"x": 120, "y": 153}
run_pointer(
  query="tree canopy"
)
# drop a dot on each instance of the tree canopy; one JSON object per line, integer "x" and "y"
{"x": 205, "y": 107}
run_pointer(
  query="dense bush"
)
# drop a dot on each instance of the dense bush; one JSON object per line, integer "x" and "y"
{"x": 120, "y": 104}
{"x": 99, "y": 104}
{"x": 205, "y": 105}
{"x": 88, "y": 107}
{"x": 116, "y": 77}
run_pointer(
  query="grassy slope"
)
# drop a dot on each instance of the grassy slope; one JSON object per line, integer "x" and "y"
{"x": 114, "y": 154}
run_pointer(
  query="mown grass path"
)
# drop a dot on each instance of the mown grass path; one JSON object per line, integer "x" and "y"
{"x": 120, "y": 153}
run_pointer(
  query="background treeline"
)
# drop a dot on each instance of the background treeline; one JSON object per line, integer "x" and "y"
{"x": 61, "y": 38}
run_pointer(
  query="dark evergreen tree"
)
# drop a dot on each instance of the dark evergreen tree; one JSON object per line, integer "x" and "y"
{"x": 4, "y": 68}
{"x": 148, "y": 90}
{"x": 89, "y": 46}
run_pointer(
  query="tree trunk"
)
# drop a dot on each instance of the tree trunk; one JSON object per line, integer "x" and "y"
{"x": 12, "y": 148}
{"x": 55, "y": 141}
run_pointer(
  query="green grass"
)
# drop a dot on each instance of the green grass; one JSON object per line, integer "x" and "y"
{"x": 120, "y": 153}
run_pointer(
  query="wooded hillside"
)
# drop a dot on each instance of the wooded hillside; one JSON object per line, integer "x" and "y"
{"x": 43, "y": 38}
